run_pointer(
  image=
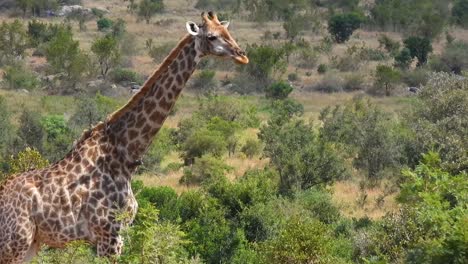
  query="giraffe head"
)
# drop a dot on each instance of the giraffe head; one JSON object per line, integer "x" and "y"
{"x": 214, "y": 38}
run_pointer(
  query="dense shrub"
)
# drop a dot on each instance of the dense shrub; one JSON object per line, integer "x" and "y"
{"x": 403, "y": 59}
{"x": 415, "y": 78}
{"x": 439, "y": 121}
{"x": 13, "y": 41}
{"x": 30, "y": 131}
{"x": 390, "y": 45}
{"x": 162, "y": 145}
{"x": 419, "y": 47}
{"x": 278, "y": 90}
{"x": 18, "y": 77}
{"x": 454, "y": 58}
{"x": 162, "y": 198}
{"x": 342, "y": 26}
{"x": 104, "y": 24}
{"x": 366, "y": 133}
{"x": 353, "y": 82}
{"x": 422, "y": 17}
{"x": 460, "y": 12}
{"x": 120, "y": 75}
{"x": 322, "y": 68}
{"x": 301, "y": 159}
{"x": 148, "y": 8}
{"x": 204, "y": 81}
{"x": 330, "y": 83}
{"x": 251, "y": 148}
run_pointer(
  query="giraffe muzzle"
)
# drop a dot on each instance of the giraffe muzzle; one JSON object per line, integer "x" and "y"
{"x": 240, "y": 57}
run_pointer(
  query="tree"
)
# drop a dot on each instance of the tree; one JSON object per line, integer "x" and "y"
{"x": 460, "y": 12}
{"x": 148, "y": 8}
{"x": 342, "y": 26}
{"x": 104, "y": 24}
{"x": 107, "y": 52}
{"x": 294, "y": 26}
{"x": 387, "y": 77}
{"x": 364, "y": 132}
{"x": 439, "y": 121}
{"x": 301, "y": 158}
{"x": 403, "y": 59}
{"x": 419, "y": 48}
{"x": 64, "y": 56}
{"x": 13, "y": 40}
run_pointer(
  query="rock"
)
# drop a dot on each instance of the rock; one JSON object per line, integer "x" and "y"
{"x": 65, "y": 10}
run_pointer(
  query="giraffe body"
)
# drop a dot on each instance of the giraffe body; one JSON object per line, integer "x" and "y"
{"x": 83, "y": 196}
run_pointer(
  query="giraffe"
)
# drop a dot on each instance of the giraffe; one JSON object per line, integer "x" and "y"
{"x": 81, "y": 196}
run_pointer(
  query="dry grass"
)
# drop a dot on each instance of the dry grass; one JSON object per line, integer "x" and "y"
{"x": 347, "y": 193}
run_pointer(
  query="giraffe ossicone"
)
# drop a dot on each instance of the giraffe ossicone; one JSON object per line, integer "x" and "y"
{"x": 80, "y": 196}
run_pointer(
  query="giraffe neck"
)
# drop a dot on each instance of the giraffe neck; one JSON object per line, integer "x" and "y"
{"x": 134, "y": 126}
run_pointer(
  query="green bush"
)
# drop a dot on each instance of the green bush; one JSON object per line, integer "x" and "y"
{"x": 204, "y": 168}
{"x": 362, "y": 131}
{"x": 353, "y": 82}
{"x": 204, "y": 81}
{"x": 30, "y": 131}
{"x": 18, "y": 77}
{"x": 455, "y": 57}
{"x": 120, "y": 75}
{"x": 342, "y": 26}
{"x": 390, "y": 45}
{"x": 148, "y": 8}
{"x": 104, "y": 24}
{"x": 329, "y": 84}
{"x": 293, "y": 77}
{"x": 403, "y": 59}
{"x": 163, "y": 198}
{"x": 322, "y": 68}
{"x": 278, "y": 90}
{"x": 415, "y": 78}
{"x": 13, "y": 41}
{"x": 419, "y": 47}
{"x": 251, "y": 148}
{"x": 386, "y": 78}
{"x": 460, "y": 13}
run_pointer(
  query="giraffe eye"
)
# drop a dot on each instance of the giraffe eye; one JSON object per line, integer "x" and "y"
{"x": 211, "y": 38}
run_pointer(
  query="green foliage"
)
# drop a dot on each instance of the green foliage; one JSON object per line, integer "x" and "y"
{"x": 454, "y": 58}
{"x": 252, "y": 147}
{"x": 27, "y": 160}
{"x": 148, "y": 8}
{"x": 13, "y": 41}
{"x": 163, "y": 198}
{"x": 107, "y": 52}
{"x": 460, "y": 12}
{"x": 439, "y": 120}
{"x": 419, "y": 47}
{"x": 265, "y": 63}
{"x": 74, "y": 252}
{"x": 203, "y": 141}
{"x": 295, "y": 25}
{"x": 37, "y": 7}
{"x": 158, "y": 53}
{"x": 104, "y": 24}
{"x": 415, "y": 78}
{"x": 58, "y": 137}
{"x": 118, "y": 28}
{"x": 318, "y": 203}
{"x": 390, "y": 45}
{"x": 303, "y": 240}
{"x": 342, "y": 26}
{"x": 204, "y": 81}
{"x": 366, "y": 133}
{"x": 205, "y": 168}
{"x": 64, "y": 56}
{"x": 278, "y": 90}
{"x": 322, "y": 68}
{"x": 330, "y": 83}
{"x": 353, "y": 82}
{"x": 6, "y": 128}
{"x": 422, "y": 17}
{"x": 30, "y": 131}
{"x": 161, "y": 146}
{"x": 17, "y": 76}
{"x": 301, "y": 159}
{"x": 403, "y": 59}
{"x": 386, "y": 77}
{"x": 87, "y": 114}
{"x": 120, "y": 75}
{"x": 148, "y": 240}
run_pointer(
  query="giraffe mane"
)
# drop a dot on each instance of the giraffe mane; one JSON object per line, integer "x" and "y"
{"x": 150, "y": 81}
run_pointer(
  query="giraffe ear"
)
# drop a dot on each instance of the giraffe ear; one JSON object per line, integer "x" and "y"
{"x": 192, "y": 28}
{"x": 225, "y": 24}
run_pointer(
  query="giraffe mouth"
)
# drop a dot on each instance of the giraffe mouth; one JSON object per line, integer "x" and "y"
{"x": 241, "y": 59}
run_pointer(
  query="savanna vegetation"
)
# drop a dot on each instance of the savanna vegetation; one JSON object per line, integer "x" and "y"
{"x": 344, "y": 140}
